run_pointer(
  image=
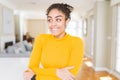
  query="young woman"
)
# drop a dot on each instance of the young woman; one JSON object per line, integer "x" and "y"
{"x": 59, "y": 53}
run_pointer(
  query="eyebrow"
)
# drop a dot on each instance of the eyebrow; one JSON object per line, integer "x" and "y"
{"x": 55, "y": 17}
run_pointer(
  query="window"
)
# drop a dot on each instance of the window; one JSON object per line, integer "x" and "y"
{"x": 118, "y": 41}
{"x": 75, "y": 28}
{"x": 71, "y": 28}
{"x": 85, "y": 27}
{"x": 92, "y": 34}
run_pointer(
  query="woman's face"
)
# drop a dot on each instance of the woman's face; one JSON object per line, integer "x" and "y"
{"x": 57, "y": 23}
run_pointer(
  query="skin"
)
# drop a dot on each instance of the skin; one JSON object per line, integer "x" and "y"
{"x": 28, "y": 74}
{"x": 57, "y": 23}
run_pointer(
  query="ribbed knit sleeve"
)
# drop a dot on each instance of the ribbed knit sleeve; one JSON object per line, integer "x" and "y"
{"x": 35, "y": 58}
{"x": 76, "y": 55}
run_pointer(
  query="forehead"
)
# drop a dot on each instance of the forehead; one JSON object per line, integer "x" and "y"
{"x": 56, "y": 12}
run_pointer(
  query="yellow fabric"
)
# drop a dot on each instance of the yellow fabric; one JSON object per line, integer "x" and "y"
{"x": 55, "y": 53}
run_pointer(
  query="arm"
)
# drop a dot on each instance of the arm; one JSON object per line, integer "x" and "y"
{"x": 76, "y": 56}
{"x": 36, "y": 57}
{"x": 69, "y": 72}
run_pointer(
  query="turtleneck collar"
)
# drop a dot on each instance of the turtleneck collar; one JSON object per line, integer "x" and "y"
{"x": 64, "y": 37}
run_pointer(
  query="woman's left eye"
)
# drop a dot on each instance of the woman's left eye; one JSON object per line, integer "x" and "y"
{"x": 58, "y": 20}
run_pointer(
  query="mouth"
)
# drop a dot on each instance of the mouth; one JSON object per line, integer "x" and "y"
{"x": 54, "y": 30}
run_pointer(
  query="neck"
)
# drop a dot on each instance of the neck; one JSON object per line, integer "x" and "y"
{"x": 60, "y": 36}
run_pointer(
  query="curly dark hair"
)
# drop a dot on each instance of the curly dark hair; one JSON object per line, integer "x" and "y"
{"x": 64, "y": 8}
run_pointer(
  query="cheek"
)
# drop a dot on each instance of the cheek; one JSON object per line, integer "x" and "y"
{"x": 63, "y": 25}
{"x": 49, "y": 25}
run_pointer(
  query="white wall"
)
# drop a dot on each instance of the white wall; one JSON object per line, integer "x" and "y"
{"x": 17, "y": 27}
{"x": 0, "y": 23}
{"x": 0, "y": 19}
{"x": 20, "y": 25}
{"x": 100, "y": 31}
{"x": 105, "y": 37}
{"x": 102, "y": 36}
{"x": 109, "y": 36}
{"x": 87, "y": 38}
{"x": 6, "y": 36}
{"x": 36, "y": 26}
{"x": 114, "y": 2}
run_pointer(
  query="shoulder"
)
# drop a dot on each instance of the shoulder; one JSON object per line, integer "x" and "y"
{"x": 42, "y": 37}
{"x": 76, "y": 40}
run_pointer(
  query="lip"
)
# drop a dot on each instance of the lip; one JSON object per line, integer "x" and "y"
{"x": 54, "y": 29}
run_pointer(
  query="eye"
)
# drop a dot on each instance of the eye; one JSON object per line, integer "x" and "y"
{"x": 58, "y": 20}
{"x": 49, "y": 20}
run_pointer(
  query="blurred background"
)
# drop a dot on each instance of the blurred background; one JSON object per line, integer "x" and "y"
{"x": 96, "y": 22}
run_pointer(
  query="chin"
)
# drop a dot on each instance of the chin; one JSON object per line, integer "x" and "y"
{"x": 54, "y": 34}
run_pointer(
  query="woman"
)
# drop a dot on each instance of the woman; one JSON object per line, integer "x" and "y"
{"x": 59, "y": 53}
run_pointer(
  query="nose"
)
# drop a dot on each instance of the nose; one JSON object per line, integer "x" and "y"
{"x": 53, "y": 23}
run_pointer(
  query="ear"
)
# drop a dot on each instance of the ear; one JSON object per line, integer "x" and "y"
{"x": 67, "y": 21}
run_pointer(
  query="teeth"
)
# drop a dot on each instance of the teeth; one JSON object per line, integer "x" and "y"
{"x": 54, "y": 29}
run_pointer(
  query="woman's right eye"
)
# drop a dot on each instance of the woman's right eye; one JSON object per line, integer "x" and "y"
{"x": 49, "y": 20}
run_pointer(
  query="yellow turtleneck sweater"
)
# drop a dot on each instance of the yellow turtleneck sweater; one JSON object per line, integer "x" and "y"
{"x": 55, "y": 53}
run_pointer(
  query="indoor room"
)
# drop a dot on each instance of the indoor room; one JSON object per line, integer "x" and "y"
{"x": 95, "y": 22}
